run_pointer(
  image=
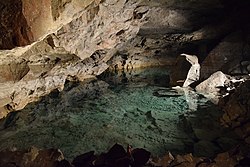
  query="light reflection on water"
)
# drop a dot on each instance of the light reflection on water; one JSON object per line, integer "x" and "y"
{"x": 137, "y": 109}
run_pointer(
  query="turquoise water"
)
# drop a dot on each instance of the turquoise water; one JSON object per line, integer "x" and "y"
{"x": 136, "y": 108}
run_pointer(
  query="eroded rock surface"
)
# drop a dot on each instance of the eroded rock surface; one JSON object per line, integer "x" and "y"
{"x": 14, "y": 29}
{"x": 236, "y": 108}
{"x": 214, "y": 84}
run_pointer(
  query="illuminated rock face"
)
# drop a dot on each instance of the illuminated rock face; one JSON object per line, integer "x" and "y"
{"x": 194, "y": 71}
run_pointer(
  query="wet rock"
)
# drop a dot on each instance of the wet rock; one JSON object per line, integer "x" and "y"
{"x": 206, "y": 134}
{"x": 84, "y": 160}
{"x": 205, "y": 148}
{"x": 164, "y": 161}
{"x": 226, "y": 143}
{"x": 241, "y": 68}
{"x": 186, "y": 160}
{"x": 32, "y": 157}
{"x": 236, "y": 110}
{"x": 177, "y": 77}
{"x": 140, "y": 157}
{"x": 224, "y": 160}
{"x": 244, "y": 162}
{"x": 63, "y": 163}
{"x": 116, "y": 152}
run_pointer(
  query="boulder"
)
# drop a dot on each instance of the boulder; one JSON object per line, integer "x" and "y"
{"x": 140, "y": 157}
{"x": 85, "y": 159}
{"x": 213, "y": 84}
{"x": 31, "y": 157}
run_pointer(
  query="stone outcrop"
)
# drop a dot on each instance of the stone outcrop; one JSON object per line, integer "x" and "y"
{"x": 213, "y": 84}
{"x": 194, "y": 71}
{"x": 236, "y": 111}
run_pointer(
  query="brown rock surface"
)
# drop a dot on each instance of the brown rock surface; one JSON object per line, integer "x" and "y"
{"x": 117, "y": 157}
{"x": 227, "y": 55}
{"x": 14, "y": 29}
{"x": 236, "y": 108}
{"x": 31, "y": 158}
{"x": 38, "y": 16}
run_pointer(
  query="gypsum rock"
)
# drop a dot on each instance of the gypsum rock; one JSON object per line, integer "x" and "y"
{"x": 194, "y": 72}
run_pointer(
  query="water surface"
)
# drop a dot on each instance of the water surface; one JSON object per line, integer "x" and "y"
{"x": 137, "y": 108}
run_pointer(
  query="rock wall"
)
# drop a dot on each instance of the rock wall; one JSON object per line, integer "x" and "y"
{"x": 231, "y": 55}
{"x": 14, "y": 29}
{"x": 237, "y": 109}
{"x": 80, "y": 39}
{"x": 38, "y": 16}
{"x": 46, "y": 16}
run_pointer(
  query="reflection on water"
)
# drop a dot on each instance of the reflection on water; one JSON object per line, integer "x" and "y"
{"x": 135, "y": 108}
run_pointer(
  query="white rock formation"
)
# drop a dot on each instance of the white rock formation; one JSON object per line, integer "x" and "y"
{"x": 211, "y": 87}
{"x": 194, "y": 72}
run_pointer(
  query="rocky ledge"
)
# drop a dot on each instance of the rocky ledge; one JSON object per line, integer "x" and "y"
{"x": 117, "y": 156}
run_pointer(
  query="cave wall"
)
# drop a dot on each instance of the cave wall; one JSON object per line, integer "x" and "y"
{"x": 38, "y": 16}
{"x": 76, "y": 39}
{"x": 46, "y": 16}
{"x": 14, "y": 28}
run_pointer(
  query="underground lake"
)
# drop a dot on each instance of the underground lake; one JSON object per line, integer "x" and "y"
{"x": 136, "y": 108}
